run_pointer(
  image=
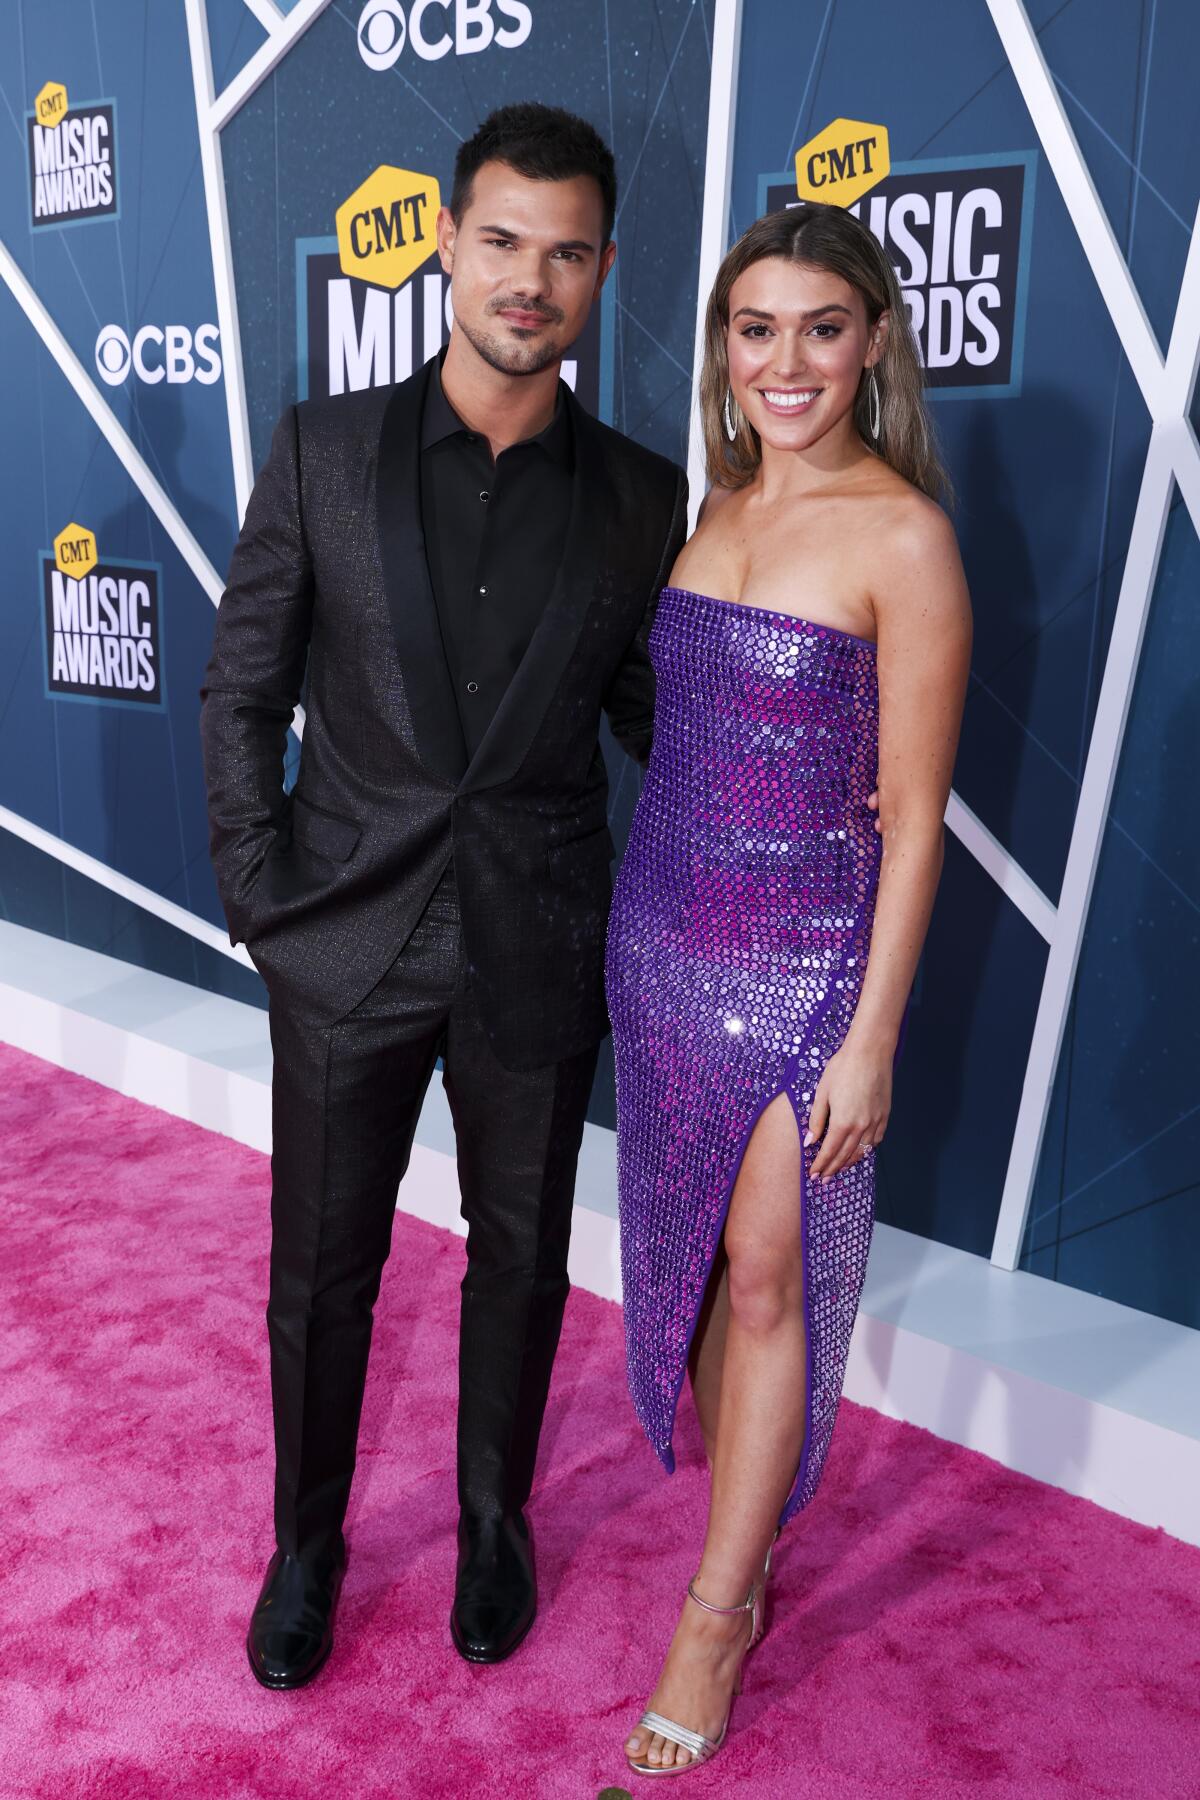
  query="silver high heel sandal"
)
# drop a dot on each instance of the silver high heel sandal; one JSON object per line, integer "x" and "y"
{"x": 700, "y": 1748}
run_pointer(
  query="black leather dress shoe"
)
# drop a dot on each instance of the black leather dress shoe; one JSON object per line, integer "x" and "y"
{"x": 495, "y": 1591}
{"x": 291, "y": 1627}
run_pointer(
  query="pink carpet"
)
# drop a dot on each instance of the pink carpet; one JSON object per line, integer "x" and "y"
{"x": 941, "y": 1627}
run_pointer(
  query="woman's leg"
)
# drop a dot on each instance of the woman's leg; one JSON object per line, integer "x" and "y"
{"x": 706, "y": 1358}
{"x": 759, "y": 1431}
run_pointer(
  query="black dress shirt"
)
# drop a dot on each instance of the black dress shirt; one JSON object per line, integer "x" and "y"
{"x": 494, "y": 535}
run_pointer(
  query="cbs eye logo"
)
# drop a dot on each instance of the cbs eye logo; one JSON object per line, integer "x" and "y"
{"x": 381, "y": 33}
{"x": 435, "y": 27}
{"x": 172, "y": 353}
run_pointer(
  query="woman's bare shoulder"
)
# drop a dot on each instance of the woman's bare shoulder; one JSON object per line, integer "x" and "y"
{"x": 905, "y": 521}
{"x": 913, "y": 567}
{"x": 713, "y": 501}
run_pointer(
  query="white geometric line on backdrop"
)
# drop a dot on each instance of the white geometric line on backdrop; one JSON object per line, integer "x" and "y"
{"x": 123, "y": 446}
{"x": 265, "y": 58}
{"x": 1166, "y": 387}
{"x": 1120, "y": 669}
{"x": 995, "y": 860}
{"x": 269, "y": 16}
{"x": 222, "y": 257}
{"x": 116, "y": 883}
{"x": 1161, "y": 387}
{"x": 127, "y": 452}
{"x": 714, "y": 217}
{"x": 1024, "y": 53}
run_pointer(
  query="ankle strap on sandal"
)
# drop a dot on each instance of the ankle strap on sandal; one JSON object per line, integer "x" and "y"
{"x": 747, "y": 1605}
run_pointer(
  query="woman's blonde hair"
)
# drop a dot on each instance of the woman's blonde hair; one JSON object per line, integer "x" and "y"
{"x": 824, "y": 237}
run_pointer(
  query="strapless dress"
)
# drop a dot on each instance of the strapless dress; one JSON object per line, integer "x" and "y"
{"x": 737, "y": 946}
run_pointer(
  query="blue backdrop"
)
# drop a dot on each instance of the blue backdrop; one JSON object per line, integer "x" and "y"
{"x": 1047, "y": 480}
{"x": 1042, "y": 422}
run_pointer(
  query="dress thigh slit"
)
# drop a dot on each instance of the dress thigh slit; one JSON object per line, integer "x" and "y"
{"x": 825, "y": 1345}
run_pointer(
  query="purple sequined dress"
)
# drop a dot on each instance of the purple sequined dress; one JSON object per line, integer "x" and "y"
{"x": 737, "y": 945}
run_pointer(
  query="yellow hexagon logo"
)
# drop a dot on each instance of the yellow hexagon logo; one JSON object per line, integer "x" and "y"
{"x": 50, "y": 103}
{"x": 75, "y": 551}
{"x": 843, "y": 162}
{"x": 385, "y": 230}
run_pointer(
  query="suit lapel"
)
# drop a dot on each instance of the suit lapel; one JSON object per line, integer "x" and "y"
{"x": 423, "y": 666}
{"x": 516, "y": 721}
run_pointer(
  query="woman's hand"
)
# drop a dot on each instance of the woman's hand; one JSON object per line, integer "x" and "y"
{"x": 850, "y": 1107}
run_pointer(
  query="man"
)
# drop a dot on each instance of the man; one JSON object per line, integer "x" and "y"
{"x": 467, "y": 564}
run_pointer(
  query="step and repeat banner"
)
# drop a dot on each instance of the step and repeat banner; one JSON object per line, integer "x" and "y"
{"x": 911, "y": 115}
{"x": 333, "y": 169}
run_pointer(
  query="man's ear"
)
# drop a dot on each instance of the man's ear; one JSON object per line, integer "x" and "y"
{"x": 447, "y": 236}
{"x": 608, "y": 257}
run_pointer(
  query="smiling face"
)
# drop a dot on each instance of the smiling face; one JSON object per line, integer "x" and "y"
{"x": 526, "y": 261}
{"x": 797, "y": 343}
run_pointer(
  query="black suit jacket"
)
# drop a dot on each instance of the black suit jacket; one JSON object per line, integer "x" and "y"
{"x": 329, "y": 573}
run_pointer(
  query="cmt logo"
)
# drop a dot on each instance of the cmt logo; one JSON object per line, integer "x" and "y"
{"x": 436, "y": 27}
{"x": 103, "y": 632}
{"x": 170, "y": 353}
{"x": 72, "y": 159}
{"x": 842, "y": 162}
{"x": 75, "y": 551}
{"x": 385, "y": 230}
{"x": 50, "y": 104}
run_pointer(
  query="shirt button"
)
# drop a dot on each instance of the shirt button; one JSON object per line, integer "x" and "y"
{"x": 483, "y": 590}
{"x": 485, "y": 496}
{"x": 472, "y": 687}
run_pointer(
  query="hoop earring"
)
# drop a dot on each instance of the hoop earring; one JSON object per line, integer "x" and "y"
{"x": 731, "y": 429}
{"x": 873, "y": 402}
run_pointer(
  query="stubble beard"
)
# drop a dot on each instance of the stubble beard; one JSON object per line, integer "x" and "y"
{"x": 509, "y": 356}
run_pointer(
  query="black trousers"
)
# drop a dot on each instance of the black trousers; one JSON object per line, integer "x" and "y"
{"x": 345, "y": 1103}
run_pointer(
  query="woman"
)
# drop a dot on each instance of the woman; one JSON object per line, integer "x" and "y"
{"x": 813, "y": 645}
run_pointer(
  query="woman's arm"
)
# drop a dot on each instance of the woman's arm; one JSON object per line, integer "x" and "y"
{"x": 923, "y": 617}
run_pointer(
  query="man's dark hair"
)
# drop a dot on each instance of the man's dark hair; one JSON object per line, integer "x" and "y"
{"x": 543, "y": 143}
